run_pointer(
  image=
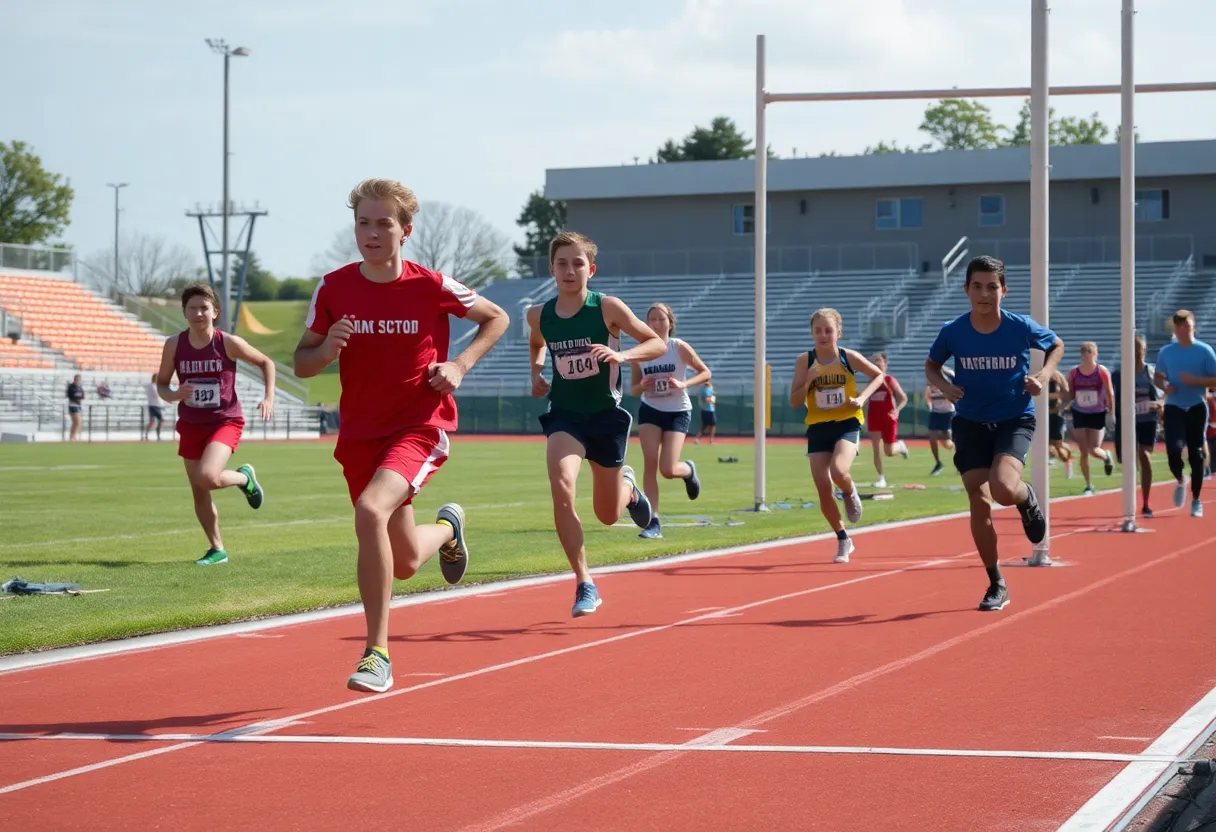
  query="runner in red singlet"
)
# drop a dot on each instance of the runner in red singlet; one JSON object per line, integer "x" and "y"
{"x": 386, "y": 321}
{"x": 882, "y": 418}
{"x": 209, "y": 415}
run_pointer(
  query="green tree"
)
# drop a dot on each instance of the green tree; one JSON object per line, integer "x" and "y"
{"x": 721, "y": 140}
{"x": 886, "y": 147}
{"x": 1067, "y": 130}
{"x": 296, "y": 288}
{"x": 34, "y": 203}
{"x": 959, "y": 124}
{"x": 1119, "y": 135}
{"x": 542, "y": 219}
{"x": 259, "y": 283}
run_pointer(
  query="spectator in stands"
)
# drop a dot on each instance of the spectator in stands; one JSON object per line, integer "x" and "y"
{"x": 104, "y": 391}
{"x": 155, "y": 413}
{"x": 75, "y": 396}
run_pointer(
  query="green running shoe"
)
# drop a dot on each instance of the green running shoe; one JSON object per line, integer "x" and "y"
{"x": 212, "y": 558}
{"x": 253, "y": 490}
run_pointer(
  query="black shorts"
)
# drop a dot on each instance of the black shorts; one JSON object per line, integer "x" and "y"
{"x": 1146, "y": 436}
{"x": 1185, "y": 428}
{"x": 1055, "y": 427}
{"x": 939, "y": 422}
{"x": 73, "y": 408}
{"x": 154, "y": 412}
{"x": 677, "y": 421}
{"x": 978, "y": 444}
{"x": 604, "y": 435}
{"x": 1088, "y": 421}
{"x": 709, "y": 418}
{"x": 822, "y": 438}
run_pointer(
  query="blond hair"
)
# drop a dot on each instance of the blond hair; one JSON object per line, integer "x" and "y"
{"x": 573, "y": 238}
{"x": 667, "y": 313}
{"x": 827, "y": 313}
{"x": 1184, "y": 315}
{"x": 1089, "y": 346}
{"x": 407, "y": 203}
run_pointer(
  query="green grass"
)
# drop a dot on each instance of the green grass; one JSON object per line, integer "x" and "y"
{"x": 127, "y": 526}
{"x": 287, "y": 316}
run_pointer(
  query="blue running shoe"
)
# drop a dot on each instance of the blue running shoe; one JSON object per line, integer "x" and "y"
{"x": 639, "y": 506}
{"x": 692, "y": 483}
{"x": 652, "y": 531}
{"x": 586, "y": 600}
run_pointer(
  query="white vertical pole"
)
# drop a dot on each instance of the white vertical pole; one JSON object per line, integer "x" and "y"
{"x": 1039, "y": 249}
{"x": 1127, "y": 258}
{"x": 760, "y": 237}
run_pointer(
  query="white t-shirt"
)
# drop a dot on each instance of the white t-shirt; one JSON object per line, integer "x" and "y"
{"x": 153, "y": 394}
{"x": 662, "y": 396}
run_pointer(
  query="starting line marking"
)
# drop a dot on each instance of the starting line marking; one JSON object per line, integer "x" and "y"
{"x": 716, "y": 741}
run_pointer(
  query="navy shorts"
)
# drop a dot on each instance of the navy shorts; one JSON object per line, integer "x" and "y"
{"x": 678, "y": 421}
{"x": 978, "y": 444}
{"x": 1055, "y": 428}
{"x": 1146, "y": 435}
{"x": 940, "y": 421}
{"x": 1088, "y": 421}
{"x": 154, "y": 412}
{"x": 822, "y": 438}
{"x": 709, "y": 418}
{"x": 604, "y": 435}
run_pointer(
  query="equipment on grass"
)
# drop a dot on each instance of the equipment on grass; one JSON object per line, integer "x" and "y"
{"x": 728, "y": 459}
{"x": 20, "y": 586}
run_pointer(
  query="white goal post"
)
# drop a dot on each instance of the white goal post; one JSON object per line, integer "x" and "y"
{"x": 1039, "y": 93}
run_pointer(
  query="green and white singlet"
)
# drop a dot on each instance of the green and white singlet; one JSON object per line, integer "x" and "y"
{"x": 581, "y": 384}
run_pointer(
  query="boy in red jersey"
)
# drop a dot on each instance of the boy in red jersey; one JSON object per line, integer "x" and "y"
{"x": 882, "y": 418}
{"x": 209, "y": 415}
{"x": 388, "y": 320}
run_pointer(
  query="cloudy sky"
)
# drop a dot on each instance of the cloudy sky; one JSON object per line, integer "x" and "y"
{"x": 469, "y": 101}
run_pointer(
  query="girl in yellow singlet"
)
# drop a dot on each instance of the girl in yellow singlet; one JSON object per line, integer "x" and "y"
{"x": 825, "y": 382}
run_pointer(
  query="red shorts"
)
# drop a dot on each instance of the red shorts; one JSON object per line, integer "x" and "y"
{"x": 884, "y": 426}
{"x": 416, "y": 454}
{"x": 194, "y": 439}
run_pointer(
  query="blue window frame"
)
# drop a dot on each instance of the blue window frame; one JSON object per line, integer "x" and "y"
{"x": 1152, "y": 205}
{"x": 992, "y": 210}
{"x": 892, "y": 214}
{"x": 745, "y": 219}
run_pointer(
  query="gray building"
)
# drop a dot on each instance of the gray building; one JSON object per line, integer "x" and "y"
{"x": 890, "y": 211}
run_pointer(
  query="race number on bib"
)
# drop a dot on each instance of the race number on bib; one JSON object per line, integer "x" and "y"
{"x": 829, "y": 398}
{"x": 662, "y": 386}
{"x": 206, "y": 394}
{"x": 1143, "y": 407}
{"x": 1087, "y": 398}
{"x": 578, "y": 366}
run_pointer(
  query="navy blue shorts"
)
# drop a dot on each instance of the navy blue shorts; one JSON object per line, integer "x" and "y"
{"x": 1055, "y": 428}
{"x": 678, "y": 421}
{"x": 940, "y": 421}
{"x": 1146, "y": 435}
{"x": 822, "y": 438}
{"x": 1082, "y": 420}
{"x": 604, "y": 435}
{"x": 709, "y": 418}
{"x": 978, "y": 444}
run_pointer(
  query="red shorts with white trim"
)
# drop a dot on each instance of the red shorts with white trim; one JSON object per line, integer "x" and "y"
{"x": 416, "y": 454}
{"x": 886, "y": 427}
{"x": 193, "y": 439}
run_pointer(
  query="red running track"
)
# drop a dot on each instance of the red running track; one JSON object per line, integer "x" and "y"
{"x": 758, "y": 690}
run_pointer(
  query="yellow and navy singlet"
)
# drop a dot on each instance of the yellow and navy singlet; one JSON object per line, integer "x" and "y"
{"x": 828, "y": 394}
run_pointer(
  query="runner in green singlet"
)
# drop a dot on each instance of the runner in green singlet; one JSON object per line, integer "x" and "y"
{"x": 581, "y": 330}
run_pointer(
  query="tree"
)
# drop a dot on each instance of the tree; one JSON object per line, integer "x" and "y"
{"x": 885, "y": 147}
{"x": 341, "y": 251}
{"x": 34, "y": 204}
{"x": 1119, "y": 135}
{"x": 541, "y": 219}
{"x": 259, "y": 283}
{"x": 297, "y": 288}
{"x": 721, "y": 140}
{"x": 148, "y": 266}
{"x": 959, "y": 124}
{"x": 458, "y": 242}
{"x": 1067, "y": 130}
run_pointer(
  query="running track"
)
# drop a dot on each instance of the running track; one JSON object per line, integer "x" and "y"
{"x": 761, "y": 689}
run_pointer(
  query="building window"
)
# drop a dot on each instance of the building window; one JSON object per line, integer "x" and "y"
{"x": 1153, "y": 205}
{"x": 892, "y": 214}
{"x": 745, "y": 219}
{"x": 992, "y": 210}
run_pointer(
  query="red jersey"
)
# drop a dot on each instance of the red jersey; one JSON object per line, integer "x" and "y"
{"x": 401, "y": 328}
{"x": 214, "y": 375}
{"x": 881, "y": 405}
{"x": 1211, "y": 398}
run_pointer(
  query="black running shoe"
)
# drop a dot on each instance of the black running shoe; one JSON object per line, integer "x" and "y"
{"x": 1033, "y": 521}
{"x": 692, "y": 483}
{"x": 996, "y": 598}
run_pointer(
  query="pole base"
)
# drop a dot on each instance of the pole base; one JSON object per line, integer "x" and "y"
{"x": 760, "y": 506}
{"x": 1040, "y": 556}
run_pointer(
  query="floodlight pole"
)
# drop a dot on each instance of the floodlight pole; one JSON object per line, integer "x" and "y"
{"x": 1127, "y": 258}
{"x": 1040, "y": 256}
{"x": 1039, "y": 93}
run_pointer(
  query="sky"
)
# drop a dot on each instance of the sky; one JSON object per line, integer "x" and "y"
{"x": 470, "y": 101}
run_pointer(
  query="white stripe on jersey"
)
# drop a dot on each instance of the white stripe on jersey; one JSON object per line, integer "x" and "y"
{"x": 312, "y": 305}
{"x": 458, "y": 290}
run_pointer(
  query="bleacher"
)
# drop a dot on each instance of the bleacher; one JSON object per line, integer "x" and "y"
{"x": 716, "y": 315}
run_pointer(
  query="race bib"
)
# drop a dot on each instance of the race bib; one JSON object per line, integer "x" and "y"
{"x": 941, "y": 404}
{"x": 829, "y": 398}
{"x": 1087, "y": 398}
{"x": 206, "y": 394}
{"x": 662, "y": 387}
{"x": 577, "y": 366}
{"x": 1143, "y": 407}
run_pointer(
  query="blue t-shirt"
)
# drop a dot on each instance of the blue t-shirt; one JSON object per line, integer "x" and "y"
{"x": 991, "y": 369}
{"x": 1174, "y": 359}
{"x": 706, "y": 404}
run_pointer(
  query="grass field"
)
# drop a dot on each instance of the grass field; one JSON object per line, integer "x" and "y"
{"x": 287, "y": 316}
{"x": 119, "y": 517}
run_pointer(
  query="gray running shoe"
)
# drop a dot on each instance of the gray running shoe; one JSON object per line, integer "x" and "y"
{"x": 852, "y": 506}
{"x": 373, "y": 675}
{"x": 453, "y": 555}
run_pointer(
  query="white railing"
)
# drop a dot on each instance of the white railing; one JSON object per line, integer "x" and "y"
{"x": 61, "y": 261}
{"x": 953, "y": 258}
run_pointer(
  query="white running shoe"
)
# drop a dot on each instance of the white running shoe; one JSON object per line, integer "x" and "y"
{"x": 852, "y": 506}
{"x": 882, "y": 482}
{"x": 844, "y": 548}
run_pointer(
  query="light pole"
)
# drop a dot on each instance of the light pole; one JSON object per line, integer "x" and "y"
{"x": 117, "y": 188}
{"x": 221, "y": 48}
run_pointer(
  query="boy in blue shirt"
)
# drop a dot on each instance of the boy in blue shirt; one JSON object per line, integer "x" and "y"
{"x": 1185, "y": 369}
{"x": 994, "y": 419}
